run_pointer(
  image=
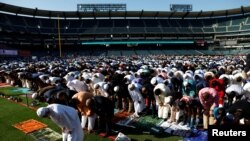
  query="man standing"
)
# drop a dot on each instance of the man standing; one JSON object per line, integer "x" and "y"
{"x": 66, "y": 118}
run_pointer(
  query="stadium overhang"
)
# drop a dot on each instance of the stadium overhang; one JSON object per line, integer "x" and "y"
{"x": 138, "y": 42}
{"x": 12, "y": 9}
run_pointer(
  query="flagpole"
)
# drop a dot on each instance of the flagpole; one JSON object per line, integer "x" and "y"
{"x": 59, "y": 36}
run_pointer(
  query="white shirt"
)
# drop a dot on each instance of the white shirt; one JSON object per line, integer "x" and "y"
{"x": 66, "y": 117}
{"x": 77, "y": 85}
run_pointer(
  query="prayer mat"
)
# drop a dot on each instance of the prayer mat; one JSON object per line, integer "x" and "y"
{"x": 121, "y": 116}
{"x": 128, "y": 121}
{"x": 4, "y": 85}
{"x": 11, "y": 91}
{"x": 110, "y": 137}
{"x": 46, "y": 134}
{"x": 176, "y": 129}
{"x": 145, "y": 123}
{"x": 197, "y": 135}
{"x": 29, "y": 126}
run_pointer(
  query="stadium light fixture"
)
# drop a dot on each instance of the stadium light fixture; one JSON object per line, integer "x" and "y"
{"x": 38, "y": 26}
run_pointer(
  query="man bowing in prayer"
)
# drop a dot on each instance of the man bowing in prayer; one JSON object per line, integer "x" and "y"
{"x": 66, "y": 118}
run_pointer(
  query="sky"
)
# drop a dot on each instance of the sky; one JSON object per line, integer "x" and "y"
{"x": 132, "y": 5}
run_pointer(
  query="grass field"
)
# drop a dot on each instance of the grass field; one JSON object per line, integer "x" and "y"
{"x": 12, "y": 113}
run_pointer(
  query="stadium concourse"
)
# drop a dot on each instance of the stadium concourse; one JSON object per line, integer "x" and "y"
{"x": 169, "y": 73}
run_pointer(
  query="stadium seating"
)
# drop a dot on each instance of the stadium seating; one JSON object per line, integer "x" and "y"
{"x": 29, "y": 24}
{"x": 33, "y": 29}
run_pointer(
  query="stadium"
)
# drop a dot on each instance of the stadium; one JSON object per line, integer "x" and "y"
{"x": 127, "y": 32}
{"x": 168, "y": 61}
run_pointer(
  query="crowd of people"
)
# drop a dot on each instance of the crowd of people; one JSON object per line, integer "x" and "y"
{"x": 186, "y": 90}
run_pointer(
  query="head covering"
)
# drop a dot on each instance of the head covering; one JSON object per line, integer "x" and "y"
{"x": 190, "y": 72}
{"x": 209, "y": 73}
{"x": 53, "y": 80}
{"x": 116, "y": 88}
{"x": 188, "y": 76}
{"x": 164, "y": 89}
{"x": 43, "y": 76}
{"x": 185, "y": 83}
{"x": 106, "y": 87}
{"x": 238, "y": 75}
{"x": 86, "y": 75}
{"x": 247, "y": 87}
{"x": 68, "y": 77}
{"x": 34, "y": 95}
{"x": 42, "y": 111}
{"x": 224, "y": 76}
{"x": 179, "y": 74}
{"x": 129, "y": 78}
{"x": 236, "y": 72}
{"x": 153, "y": 81}
{"x": 235, "y": 88}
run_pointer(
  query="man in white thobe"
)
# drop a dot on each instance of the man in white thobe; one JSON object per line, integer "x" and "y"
{"x": 65, "y": 117}
{"x": 163, "y": 100}
{"x": 139, "y": 103}
{"x": 77, "y": 85}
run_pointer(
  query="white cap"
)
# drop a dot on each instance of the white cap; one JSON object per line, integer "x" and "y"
{"x": 229, "y": 116}
{"x": 42, "y": 111}
{"x": 246, "y": 87}
{"x": 116, "y": 88}
{"x": 238, "y": 75}
{"x": 185, "y": 83}
{"x": 242, "y": 121}
{"x": 220, "y": 106}
{"x": 168, "y": 99}
{"x": 209, "y": 73}
{"x": 201, "y": 75}
{"x": 224, "y": 76}
{"x": 190, "y": 72}
{"x": 106, "y": 86}
{"x": 86, "y": 75}
{"x": 68, "y": 77}
{"x": 119, "y": 71}
{"x": 153, "y": 81}
{"x": 34, "y": 95}
{"x": 54, "y": 79}
{"x": 187, "y": 76}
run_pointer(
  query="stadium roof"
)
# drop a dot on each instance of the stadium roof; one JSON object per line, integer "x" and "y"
{"x": 6, "y": 8}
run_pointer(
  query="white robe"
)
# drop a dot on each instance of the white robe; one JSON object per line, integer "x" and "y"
{"x": 77, "y": 85}
{"x": 164, "y": 110}
{"x": 139, "y": 103}
{"x": 67, "y": 118}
